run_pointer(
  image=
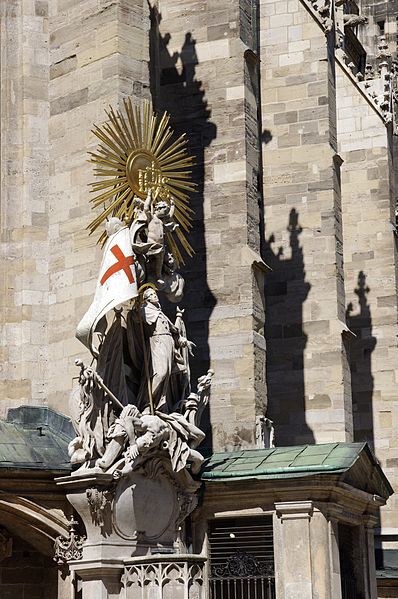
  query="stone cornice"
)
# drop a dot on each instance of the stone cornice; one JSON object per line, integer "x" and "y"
{"x": 294, "y": 510}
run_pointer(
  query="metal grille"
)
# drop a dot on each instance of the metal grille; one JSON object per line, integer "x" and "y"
{"x": 242, "y": 558}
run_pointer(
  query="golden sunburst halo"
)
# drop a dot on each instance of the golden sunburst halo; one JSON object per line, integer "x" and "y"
{"x": 138, "y": 152}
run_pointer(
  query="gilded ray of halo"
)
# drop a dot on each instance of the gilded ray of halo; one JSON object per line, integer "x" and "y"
{"x": 138, "y": 150}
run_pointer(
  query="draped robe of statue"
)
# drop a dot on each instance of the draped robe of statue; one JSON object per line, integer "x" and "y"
{"x": 167, "y": 363}
{"x": 92, "y": 412}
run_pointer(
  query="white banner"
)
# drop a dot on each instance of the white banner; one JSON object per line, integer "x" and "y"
{"x": 117, "y": 283}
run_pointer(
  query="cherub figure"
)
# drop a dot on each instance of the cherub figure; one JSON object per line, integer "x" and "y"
{"x": 155, "y": 219}
{"x": 166, "y": 347}
{"x": 173, "y": 281}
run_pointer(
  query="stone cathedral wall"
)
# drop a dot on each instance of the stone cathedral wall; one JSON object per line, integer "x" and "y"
{"x": 370, "y": 274}
{"x": 326, "y": 235}
{"x": 329, "y": 196}
{"x": 307, "y": 370}
{"x": 98, "y": 54}
{"x": 64, "y": 63}
{"x": 24, "y": 168}
{"x": 207, "y": 83}
{"x": 79, "y": 57}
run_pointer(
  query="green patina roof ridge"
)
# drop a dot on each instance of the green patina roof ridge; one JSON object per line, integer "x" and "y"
{"x": 248, "y": 463}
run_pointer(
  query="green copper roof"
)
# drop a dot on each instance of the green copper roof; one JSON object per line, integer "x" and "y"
{"x": 35, "y": 437}
{"x": 288, "y": 462}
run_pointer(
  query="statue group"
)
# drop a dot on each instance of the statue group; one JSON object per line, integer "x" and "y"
{"x": 136, "y": 416}
{"x": 138, "y": 406}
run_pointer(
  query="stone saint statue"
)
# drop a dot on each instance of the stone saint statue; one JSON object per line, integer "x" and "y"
{"x": 164, "y": 345}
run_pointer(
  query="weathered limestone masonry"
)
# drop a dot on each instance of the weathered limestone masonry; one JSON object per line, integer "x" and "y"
{"x": 208, "y": 80}
{"x": 307, "y": 370}
{"x": 382, "y": 20}
{"x": 306, "y": 362}
{"x": 370, "y": 277}
{"x": 24, "y": 202}
{"x": 99, "y": 54}
{"x": 60, "y": 70}
{"x": 77, "y": 57}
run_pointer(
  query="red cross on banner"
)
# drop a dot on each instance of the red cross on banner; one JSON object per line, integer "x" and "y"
{"x": 123, "y": 263}
{"x": 111, "y": 291}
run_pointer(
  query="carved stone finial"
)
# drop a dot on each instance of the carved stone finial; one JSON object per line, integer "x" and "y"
{"x": 384, "y": 51}
{"x": 70, "y": 547}
{"x": 369, "y": 72}
{"x": 323, "y": 8}
{"x": 265, "y": 432}
{"x": 328, "y": 25}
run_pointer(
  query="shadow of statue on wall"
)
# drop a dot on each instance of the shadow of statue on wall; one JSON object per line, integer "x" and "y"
{"x": 286, "y": 290}
{"x": 175, "y": 88}
{"x": 361, "y": 348}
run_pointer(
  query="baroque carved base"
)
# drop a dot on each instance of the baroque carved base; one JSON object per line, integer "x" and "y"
{"x": 138, "y": 514}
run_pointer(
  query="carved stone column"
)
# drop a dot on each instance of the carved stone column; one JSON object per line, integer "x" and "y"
{"x": 293, "y": 573}
{"x": 306, "y": 544}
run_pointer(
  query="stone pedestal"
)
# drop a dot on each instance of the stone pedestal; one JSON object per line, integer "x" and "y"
{"x": 133, "y": 527}
{"x": 138, "y": 514}
{"x": 159, "y": 576}
{"x": 100, "y": 579}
